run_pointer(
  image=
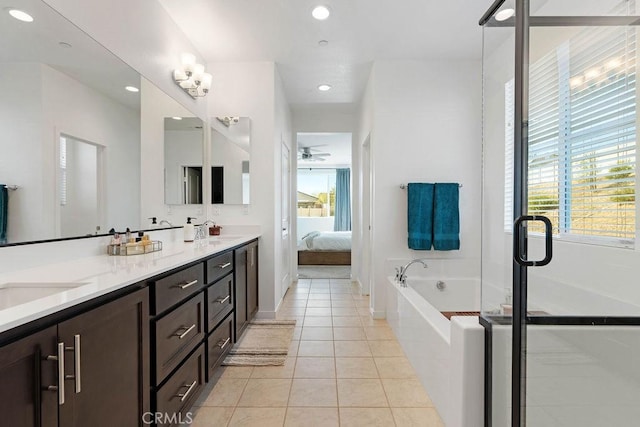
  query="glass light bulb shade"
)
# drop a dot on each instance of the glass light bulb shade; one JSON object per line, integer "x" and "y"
{"x": 188, "y": 63}
{"x": 187, "y": 84}
{"x": 179, "y": 75}
{"x": 206, "y": 81}
{"x": 505, "y": 14}
{"x": 320, "y": 12}
{"x": 198, "y": 69}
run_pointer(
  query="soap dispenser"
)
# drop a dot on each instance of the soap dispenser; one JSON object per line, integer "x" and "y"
{"x": 154, "y": 222}
{"x": 189, "y": 230}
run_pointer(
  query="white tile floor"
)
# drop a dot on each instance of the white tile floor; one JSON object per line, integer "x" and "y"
{"x": 344, "y": 369}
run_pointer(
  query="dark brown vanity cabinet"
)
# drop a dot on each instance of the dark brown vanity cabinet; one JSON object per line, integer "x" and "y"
{"x": 246, "y": 284}
{"x": 88, "y": 370}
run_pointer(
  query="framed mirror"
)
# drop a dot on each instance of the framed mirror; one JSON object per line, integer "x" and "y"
{"x": 230, "y": 160}
{"x": 183, "y": 165}
{"x": 70, "y": 120}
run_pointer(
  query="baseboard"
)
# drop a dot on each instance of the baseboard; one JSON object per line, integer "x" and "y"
{"x": 361, "y": 287}
{"x": 378, "y": 314}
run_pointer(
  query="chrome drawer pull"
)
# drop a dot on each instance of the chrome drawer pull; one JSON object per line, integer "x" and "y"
{"x": 221, "y": 300}
{"x": 225, "y": 265}
{"x": 186, "y": 285}
{"x": 184, "y": 334}
{"x": 76, "y": 363}
{"x": 184, "y": 395}
{"x": 60, "y": 387}
{"x": 224, "y": 344}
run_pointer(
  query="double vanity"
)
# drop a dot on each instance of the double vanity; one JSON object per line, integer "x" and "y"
{"x": 128, "y": 341}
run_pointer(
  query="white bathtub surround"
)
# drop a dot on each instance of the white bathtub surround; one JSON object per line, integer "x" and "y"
{"x": 448, "y": 356}
{"x": 97, "y": 272}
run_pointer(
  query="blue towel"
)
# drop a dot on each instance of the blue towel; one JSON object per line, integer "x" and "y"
{"x": 4, "y": 213}
{"x": 446, "y": 217}
{"x": 420, "y": 216}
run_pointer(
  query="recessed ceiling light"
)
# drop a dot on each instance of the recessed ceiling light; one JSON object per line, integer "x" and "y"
{"x": 505, "y": 14}
{"x": 324, "y": 87}
{"x": 65, "y": 45}
{"x": 323, "y": 43}
{"x": 320, "y": 13}
{"x": 132, "y": 89}
{"x": 176, "y": 118}
{"x": 20, "y": 15}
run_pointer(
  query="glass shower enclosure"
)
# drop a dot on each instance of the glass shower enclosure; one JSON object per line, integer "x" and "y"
{"x": 560, "y": 262}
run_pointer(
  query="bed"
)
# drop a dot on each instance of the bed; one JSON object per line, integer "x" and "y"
{"x": 325, "y": 248}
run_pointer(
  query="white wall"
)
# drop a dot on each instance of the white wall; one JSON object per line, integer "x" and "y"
{"x": 426, "y": 125}
{"x": 181, "y": 148}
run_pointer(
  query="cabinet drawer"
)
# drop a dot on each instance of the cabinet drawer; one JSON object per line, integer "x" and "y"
{"x": 177, "y": 333}
{"x": 218, "y": 345}
{"x": 179, "y": 393}
{"x": 219, "y": 266}
{"x": 219, "y": 301}
{"x": 176, "y": 287}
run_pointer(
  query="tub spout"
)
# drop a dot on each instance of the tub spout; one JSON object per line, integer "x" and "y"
{"x": 401, "y": 273}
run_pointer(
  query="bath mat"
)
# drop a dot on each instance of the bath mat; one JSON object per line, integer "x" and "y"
{"x": 264, "y": 343}
{"x": 324, "y": 272}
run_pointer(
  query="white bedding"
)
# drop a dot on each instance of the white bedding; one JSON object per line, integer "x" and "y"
{"x": 326, "y": 241}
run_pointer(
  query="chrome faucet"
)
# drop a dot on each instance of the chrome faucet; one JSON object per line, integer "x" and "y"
{"x": 201, "y": 229}
{"x": 164, "y": 221}
{"x": 401, "y": 272}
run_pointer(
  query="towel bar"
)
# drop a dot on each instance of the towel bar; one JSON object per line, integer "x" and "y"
{"x": 11, "y": 187}
{"x": 404, "y": 186}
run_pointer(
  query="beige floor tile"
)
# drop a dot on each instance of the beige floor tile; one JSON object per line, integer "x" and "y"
{"x": 379, "y": 333}
{"x": 343, "y": 304}
{"x": 297, "y": 332}
{"x": 320, "y": 281}
{"x": 315, "y": 367}
{"x": 363, "y": 311}
{"x": 416, "y": 417}
{"x": 285, "y": 371}
{"x": 351, "y": 349}
{"x": 361, "y": 393}
{"x": 312, "y": 417}
{"x": 346, "y": 321}
{"x": 303, "y": 282}
{"x": 341, "y": 290}
{"x": 293, "y": 348}
{"x": 209, "y": 416}
{"x": 325, "y": 311}
{"x": 265, "y": 393}
{"x": 234, "y": 372}
{"x": 226, "y": 392}
{"x": 367, "y": 320}
{"x": 390, "y": 348}
{"x": 318, "y": 321}
{"x": 319, "y": 296}
{"x": 344, "y": 311}
{"x": 317, "y": 334}
{"x": 303, "y": 294}
{"x": 405, "y": 393}
{"x": 293, "y": 311}
{"x": 366, "y": 417}
{"x": 348, "y": 334}
{"x": 319, "y": 303}
{"x": 394, "y": 367}
{"x": 341, "y": 297}
{"x": 344, "y": 281}
{"x": 294, "y": 303}
{"x": 313, "y": 392}
{"x": 316, "y": 349}
{"x": 320, "y": 289}
{"x": 356, "y": 367}
{"x": 263, "y": 417}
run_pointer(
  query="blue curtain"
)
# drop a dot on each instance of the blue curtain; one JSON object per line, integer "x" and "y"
{"x": 4, "y": 213}
{"x": 343, "y": 201}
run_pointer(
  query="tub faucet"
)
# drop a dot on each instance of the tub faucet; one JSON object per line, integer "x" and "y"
{"x": 401, "y": 272}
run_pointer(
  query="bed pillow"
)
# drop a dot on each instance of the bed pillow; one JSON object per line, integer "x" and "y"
{"x": 307, "y": 239}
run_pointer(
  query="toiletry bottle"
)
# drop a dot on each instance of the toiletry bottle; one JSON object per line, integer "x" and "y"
{"x": 189, "y": 230}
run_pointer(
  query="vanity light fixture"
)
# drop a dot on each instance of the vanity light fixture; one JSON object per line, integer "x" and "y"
{"x": 20, "y": 15}
{"x": 505, "y": 14}
{"x": 191, "y": 77}
{"x": 228, "y": 120}
{"x": 320, "y": 12}
{"x": 132, "y": 89}
{"x": 324, "y": 87}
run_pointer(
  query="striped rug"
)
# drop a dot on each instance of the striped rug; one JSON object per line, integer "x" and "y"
{"x": 264, "y": 343}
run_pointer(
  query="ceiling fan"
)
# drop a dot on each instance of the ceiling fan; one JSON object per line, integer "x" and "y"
{"x": 309, "y": 154}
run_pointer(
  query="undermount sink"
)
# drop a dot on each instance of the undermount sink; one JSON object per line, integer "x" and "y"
{"x": 12, "y": 294}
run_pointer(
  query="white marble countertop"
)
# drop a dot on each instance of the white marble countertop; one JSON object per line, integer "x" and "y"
{"x": 99, "y": 275}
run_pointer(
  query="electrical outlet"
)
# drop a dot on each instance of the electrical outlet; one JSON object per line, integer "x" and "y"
{"x": 216, "y": 211}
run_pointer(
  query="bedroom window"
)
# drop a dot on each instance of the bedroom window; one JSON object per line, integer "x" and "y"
{"x": 582, "y": 138}
{"x": 316, "y": 192}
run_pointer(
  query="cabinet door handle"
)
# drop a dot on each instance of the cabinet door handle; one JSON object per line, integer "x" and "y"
{"x": 187, "y": 330}
{"x": 223, "y": 300}
{"x": 184, "y": 395}
{"x": 223, "y": 266}
{"x": 186, "y": 285}
{"x": 224, "y": 343}
{"x": 60, "y": 387}
{"x": 77, "y": 363}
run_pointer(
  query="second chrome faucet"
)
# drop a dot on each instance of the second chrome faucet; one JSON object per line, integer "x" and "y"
{"x": 401, "y": 272}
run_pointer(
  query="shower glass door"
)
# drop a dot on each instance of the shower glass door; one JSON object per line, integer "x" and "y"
{"x": 565, "y": 332}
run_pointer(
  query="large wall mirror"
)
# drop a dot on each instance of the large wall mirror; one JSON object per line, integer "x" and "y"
{"x": 230, "y": 160}
{"x": 70, "y": 119}
{"x": 183, "y": 166}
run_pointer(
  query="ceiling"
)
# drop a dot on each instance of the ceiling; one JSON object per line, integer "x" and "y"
{"x": 358, "y": 32}
{"x": 336, "y": 144}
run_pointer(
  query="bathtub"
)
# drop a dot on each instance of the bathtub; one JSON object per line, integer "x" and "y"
{"x": 447, "y": 355}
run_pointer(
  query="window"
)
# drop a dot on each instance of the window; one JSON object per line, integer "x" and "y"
{"x": 582, "y": 136}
